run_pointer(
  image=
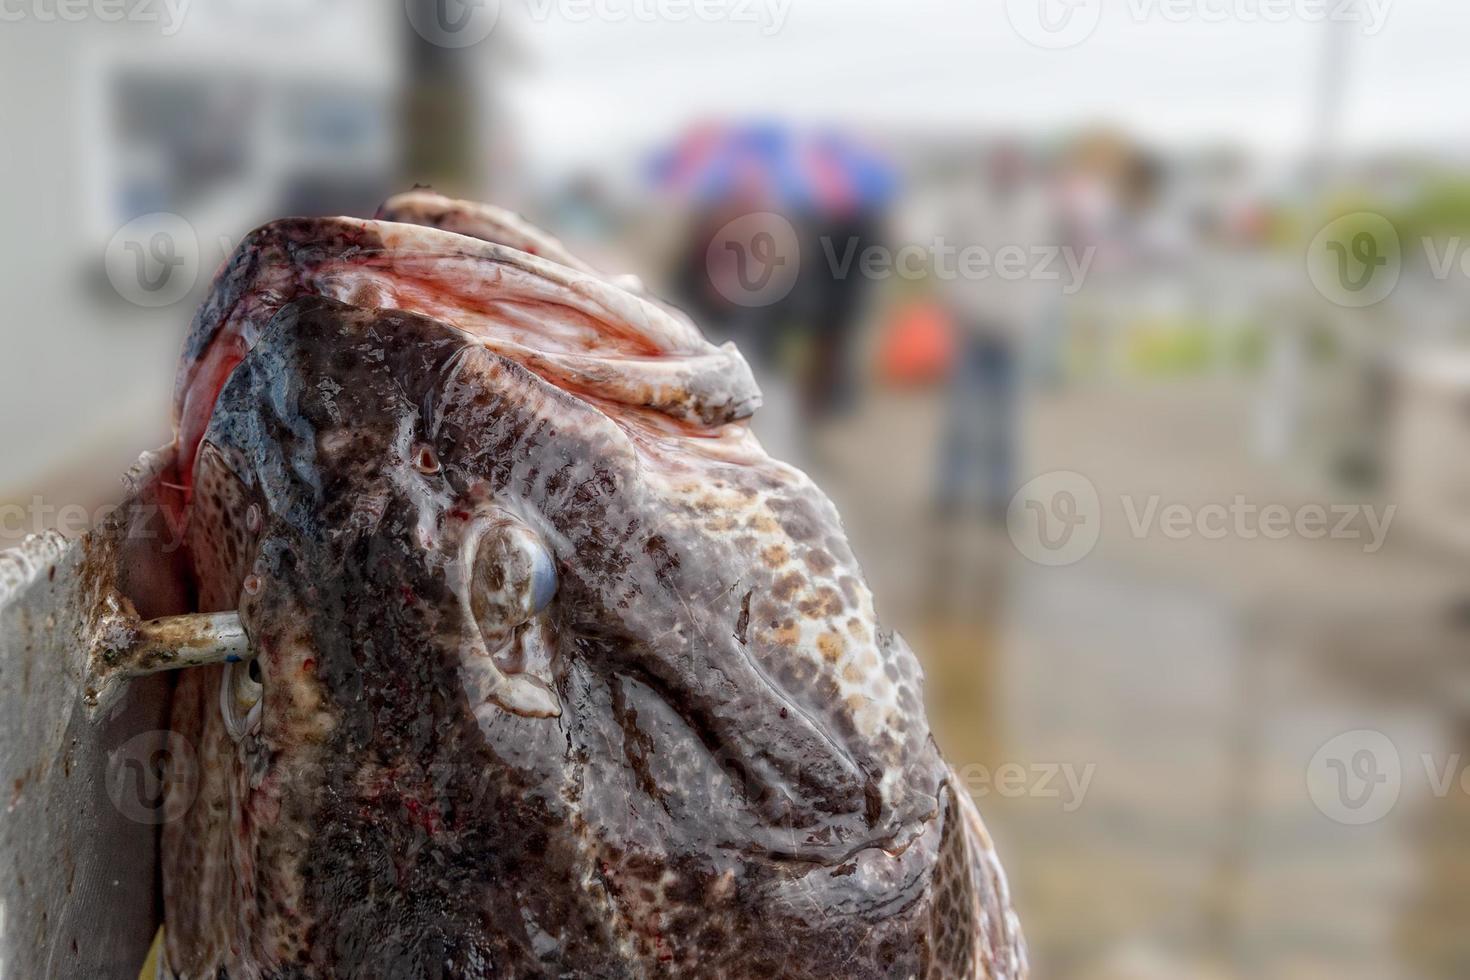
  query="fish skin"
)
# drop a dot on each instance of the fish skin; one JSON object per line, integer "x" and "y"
{"x": 737, "y": 779}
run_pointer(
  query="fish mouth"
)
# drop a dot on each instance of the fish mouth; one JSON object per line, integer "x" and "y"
{"x": 582, "y": 331}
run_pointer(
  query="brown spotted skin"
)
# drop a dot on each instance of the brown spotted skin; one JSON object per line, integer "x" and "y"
{"x": 737, "y": 781}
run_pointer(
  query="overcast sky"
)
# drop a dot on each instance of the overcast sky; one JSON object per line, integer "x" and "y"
{"x": 1222, "y": 74}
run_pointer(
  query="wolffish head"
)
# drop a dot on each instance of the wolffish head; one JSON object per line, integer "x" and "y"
{"x": 531, "y": 669}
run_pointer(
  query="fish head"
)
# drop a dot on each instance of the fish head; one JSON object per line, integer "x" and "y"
{"x": 515, "y": 641}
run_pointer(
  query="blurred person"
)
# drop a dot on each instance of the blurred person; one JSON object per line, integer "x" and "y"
{"x": 707, "y": 282}
{"x": 583, "y": 211}
{"x": 1004, "y": 209}
{"x": 819, "y": 193}
{"x": 831, "y": 303}
{"x": 1111, "y": 199}
{"x": 707, "y": 278}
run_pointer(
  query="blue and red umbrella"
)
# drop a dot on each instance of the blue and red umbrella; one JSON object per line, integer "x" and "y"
{"x": 820, "y": 171}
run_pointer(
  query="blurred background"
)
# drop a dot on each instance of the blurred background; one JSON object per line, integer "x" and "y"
{"x": 1132, "y": 341}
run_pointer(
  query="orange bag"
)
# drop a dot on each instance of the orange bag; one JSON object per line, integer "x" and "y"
{"x": 917, "y": 347}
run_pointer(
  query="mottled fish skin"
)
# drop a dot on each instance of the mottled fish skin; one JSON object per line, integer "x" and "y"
{"x": 702, "y": 758}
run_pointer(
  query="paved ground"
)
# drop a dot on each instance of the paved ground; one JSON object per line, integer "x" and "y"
{"x": 1198, "y": 678}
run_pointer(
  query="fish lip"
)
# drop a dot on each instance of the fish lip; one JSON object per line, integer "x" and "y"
{"x": 292, "y": 258}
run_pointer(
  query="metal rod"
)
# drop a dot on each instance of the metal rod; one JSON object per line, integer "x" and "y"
{"x": 174, "y": 642}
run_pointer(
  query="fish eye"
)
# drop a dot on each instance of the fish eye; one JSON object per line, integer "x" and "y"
{"x": 240, "y": 695}
{"x": 543, "y": 577}
{"x": 512, "y": 577}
